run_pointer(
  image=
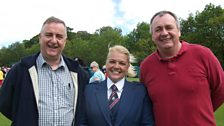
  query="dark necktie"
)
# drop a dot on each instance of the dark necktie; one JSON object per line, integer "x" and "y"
{"x": 113, "y": 100}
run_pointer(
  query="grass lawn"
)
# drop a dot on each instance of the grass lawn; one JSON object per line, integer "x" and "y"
{"x": 4, "y": 121}
{"x": 219, "y": 116}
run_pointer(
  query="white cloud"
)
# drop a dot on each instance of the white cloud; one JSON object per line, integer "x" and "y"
{"x": 22, "y": 19}
{"x": 136, "y": 11}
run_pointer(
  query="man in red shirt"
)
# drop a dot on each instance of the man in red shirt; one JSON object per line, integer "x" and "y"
{"x": 185, "y": 81}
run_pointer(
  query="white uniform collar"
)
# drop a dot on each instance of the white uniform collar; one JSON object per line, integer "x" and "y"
{"x": 119, "y": 84}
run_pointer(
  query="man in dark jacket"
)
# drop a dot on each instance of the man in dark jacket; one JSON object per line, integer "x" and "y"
{"x": 46, "y": 88}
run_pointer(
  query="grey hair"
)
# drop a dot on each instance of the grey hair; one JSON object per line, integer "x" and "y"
{"x": 162, "y": 13}
{"x": 94, "y": 64}
{"x": 53, "y": 19}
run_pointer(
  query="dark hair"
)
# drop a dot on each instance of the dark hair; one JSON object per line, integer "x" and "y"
{"x": 162, "y": 13}
{"x": 80, "y": 61}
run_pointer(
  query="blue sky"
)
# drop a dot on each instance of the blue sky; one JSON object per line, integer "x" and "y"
{"x": 22, "y": 19}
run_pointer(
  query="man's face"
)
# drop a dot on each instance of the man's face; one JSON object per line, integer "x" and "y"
{"x": 117, "y": 66}
{"x": 52, "y": 40}
{"x": 165, "y": 32}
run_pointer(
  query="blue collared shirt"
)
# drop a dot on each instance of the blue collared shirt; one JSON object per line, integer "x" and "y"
{"x": 56, "y": 97}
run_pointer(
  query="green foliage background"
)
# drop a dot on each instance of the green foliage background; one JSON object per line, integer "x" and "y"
{"x": 205, "y": 28}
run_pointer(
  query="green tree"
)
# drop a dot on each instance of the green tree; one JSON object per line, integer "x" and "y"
{"x": 31, "y": 42}
{"x": 12, "y": 54}
{"x": 139, "y": 41}
{"x": 206, "y": 28}
{"x": 101, "y": 40}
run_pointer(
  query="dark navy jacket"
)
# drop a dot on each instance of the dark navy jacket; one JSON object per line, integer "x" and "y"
{"x": 134, "y": 108}
{"x": 19, "y": 93}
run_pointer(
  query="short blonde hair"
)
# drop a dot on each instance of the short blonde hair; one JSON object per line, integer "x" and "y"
{"x": 123, "y": 50}
{"x": 120, "y": 49}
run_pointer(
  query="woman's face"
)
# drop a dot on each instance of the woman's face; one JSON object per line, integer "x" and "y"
{"x": 117, "y": 66}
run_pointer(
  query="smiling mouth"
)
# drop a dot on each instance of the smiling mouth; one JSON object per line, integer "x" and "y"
{"x": 52, "y": 47}
{"x": 164, "y": 39}
{"x": 115, "y": 71}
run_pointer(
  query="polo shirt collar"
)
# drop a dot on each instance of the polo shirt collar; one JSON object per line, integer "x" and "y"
{"x": 180, "y": 53}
